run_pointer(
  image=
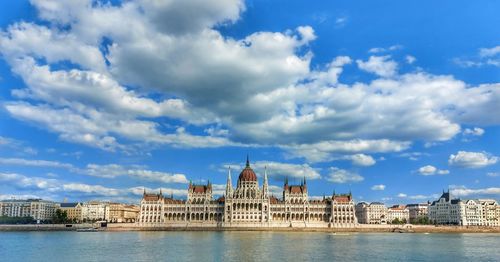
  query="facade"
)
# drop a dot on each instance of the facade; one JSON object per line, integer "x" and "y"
{"x": 399, "y": 212}
{"x": 121, "y": 213}
{"x": 373, "y": 213}
{"x": 247, "y": 205}
{"x": 472, "y": 212}
{"x": 491, "y": 212}
{"x": 445, "y": 211}
{"x": 36, "y": 208}
{"x": 94, "y": 211}
{"x": 417, "y": 211}
{"x": 73, "y": 211}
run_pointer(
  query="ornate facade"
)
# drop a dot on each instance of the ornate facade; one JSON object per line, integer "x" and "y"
{"x": 247, "y": 205}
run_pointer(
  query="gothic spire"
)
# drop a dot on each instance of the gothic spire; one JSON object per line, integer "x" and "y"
{"x": 248, "y": 162}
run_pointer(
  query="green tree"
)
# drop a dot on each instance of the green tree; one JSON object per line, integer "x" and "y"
{"x": 60, "y": 217}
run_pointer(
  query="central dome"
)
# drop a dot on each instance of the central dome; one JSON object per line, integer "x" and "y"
{"x": 247, "y": 174}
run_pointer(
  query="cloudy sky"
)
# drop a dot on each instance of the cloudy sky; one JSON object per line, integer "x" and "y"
{"x": 393, "y": 101}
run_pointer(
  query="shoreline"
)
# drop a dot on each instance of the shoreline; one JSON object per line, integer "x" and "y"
{"x": 359, "y": 229}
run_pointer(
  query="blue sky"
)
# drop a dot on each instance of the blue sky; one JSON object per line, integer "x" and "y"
{"x": 393, "y": 101}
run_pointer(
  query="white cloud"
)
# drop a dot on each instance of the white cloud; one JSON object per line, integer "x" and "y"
{"x": 429, "y": 170}
{"x": 462, "y": 191}
{"x": 489, "y": 52}
{"x": 476, "y": 131}
{"x": 382, "y": 50}
{"x": 380, "y": 65}
{"x": 378, "y": 187}
{"x": 150, "y": 60}
{"x": 105, "y": 171}
{"x": 363, "y": 160}
{"x": 277, "y": 169}
{"x": 342, "y": 176}
{"x": 472, "y": 159}
{"x": 114, "y": 170}
{"x": 320, "y": 152}
{"x": 417, "y": 197}
{"x": 36, "y": 163}
{"x": 410, "y": 59}
{"x": 493, "y": 174}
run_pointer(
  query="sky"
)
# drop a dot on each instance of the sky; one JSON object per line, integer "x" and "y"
{"x": 394, "y": 101}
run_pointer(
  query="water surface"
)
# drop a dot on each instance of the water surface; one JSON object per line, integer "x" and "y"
{"x": 246, "y": 246}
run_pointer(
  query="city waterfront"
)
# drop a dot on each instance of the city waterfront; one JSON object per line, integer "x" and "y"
{"x": 246, "y": 246}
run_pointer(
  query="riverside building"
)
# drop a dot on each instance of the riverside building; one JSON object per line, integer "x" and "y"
{"x": 38, "y": 209}
{"x": 373, "y": 213}
{"x": 247, "y": 205}
{"x": 472, "y": 212}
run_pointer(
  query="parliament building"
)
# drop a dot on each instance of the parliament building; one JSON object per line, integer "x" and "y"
{"x": 247, "y": 205}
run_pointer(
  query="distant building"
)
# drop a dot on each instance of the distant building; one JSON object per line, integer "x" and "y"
{"x": 472, "y": 212}
{"x": 399, "y": 212}
{"x": 94, "y": 211}
{"x": 445, "y": 211}
{"x": 121, "y": 213}
{"x": 373, "y": 213}
{"x": 491, "y": 212}
{"x": 247, "y": 205}
{"x": 417, "y": 211}
{"x": 36, "y": 208}
{"x": 73, "y": 211}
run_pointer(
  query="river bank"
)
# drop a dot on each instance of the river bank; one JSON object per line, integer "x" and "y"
{"x": 359, "y": 229}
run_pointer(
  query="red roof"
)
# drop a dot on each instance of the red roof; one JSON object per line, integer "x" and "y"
{"x": 248, "y": 175}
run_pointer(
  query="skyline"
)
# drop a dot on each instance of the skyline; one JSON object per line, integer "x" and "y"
{"x": 392, "y": 102}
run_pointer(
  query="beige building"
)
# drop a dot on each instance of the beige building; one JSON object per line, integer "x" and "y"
{"x": 247, "y": 205}
{"x": 121, "y": 213}
{"x": 38, "y": 209}
{"x": 73, "y": 211}
{"x": 399, "y": 212}
{"x": 373, "y": 213}
{"x": 417, "y": 211}
{"x": 491, "y": 212}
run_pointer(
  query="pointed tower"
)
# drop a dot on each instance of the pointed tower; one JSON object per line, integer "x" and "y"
{"x": 229, "y": 184}
{"x": 265, "y": 186}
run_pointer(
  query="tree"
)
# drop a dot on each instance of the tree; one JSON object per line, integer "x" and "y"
{"x": 60, "y": 217}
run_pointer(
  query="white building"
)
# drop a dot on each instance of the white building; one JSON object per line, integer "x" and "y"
{"x": 94, "y": 211}
{"x": 36, "y": 208}
{"x": 482, "y": 212}
{"x": 399, "y": 212}
{"x": 445, "y": 211}
{"x": 491, "y": 212}
{"x": 247, "y": 205}
{"x": 373, "y": 213}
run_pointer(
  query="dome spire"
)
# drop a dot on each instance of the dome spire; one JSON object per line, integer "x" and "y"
{"x": 248, "y": 162}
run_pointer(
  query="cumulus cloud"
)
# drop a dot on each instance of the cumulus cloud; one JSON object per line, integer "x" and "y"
{"x": 380, "y": 65}
{"x": 278, "y": 170}
{"x": 60, "y": 188}
{"x": 462, "y": 191}
{"x": 472, "y": 159}
{"x": 153, "y": 62}
{"x": 114, "y": 170}
{"x": 104, "y": 171}
{"x": 341, "y": 176}
{"x": 429, "y": 170}
{"x": 378, "y": 187}
{"x": 363, "y": 160}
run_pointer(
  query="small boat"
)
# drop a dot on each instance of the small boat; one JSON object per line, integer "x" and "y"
{"x": 90, "y": 229}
